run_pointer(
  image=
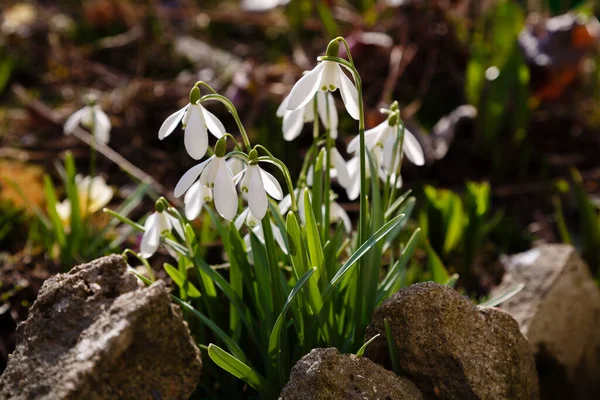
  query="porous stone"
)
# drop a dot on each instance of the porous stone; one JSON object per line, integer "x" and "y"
{"x": 558, "y": 310}
{"x": 94, "y": 333}
{"x": 325, "y": 374}
{"x": 452, "y": 349}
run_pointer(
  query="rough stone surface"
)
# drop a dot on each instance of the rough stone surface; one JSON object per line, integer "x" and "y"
{"x": 452, "y": 349}
{"x": 558, "y": 310}
{"x": 94, "y": 333}
{"x": 325, "y": 374}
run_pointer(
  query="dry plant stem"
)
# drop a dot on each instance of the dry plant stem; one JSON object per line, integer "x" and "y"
{"x": 52, "y": 116}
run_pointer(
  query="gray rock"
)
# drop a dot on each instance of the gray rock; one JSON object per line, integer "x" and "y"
{"x": 558, "y": 310}
{"x": 452, "y": 349}
{"x": 94, "y": 333}
{"x": 325, "y": 374}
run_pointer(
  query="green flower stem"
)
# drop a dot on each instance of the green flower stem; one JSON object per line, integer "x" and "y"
{"x": 400, "y": 151}
{"x": 362, "y": 225}
{"x": 231, "y": 108}
{"x": 151, "y": 275}
{"x": 327, "y": 185}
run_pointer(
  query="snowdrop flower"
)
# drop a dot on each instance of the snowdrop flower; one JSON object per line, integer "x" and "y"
{"x": 197, "y": 121}
{"x": 195, "y": 198}
{"x": 92, "y": 194}
{"x": 216, "y": 174}
{"x": 337, "y": 213}
{"x": 262, "y": 5}
{"x": 256, "y": 183}
{"x": 254, "y": 224}
{"x": 385, "y": 137}
{"x": 338, "y": 169}
{"x": 327, "y": 76}
{"x": 293, "y": 121}
{"x": 158, "y": 224}
{"x": 93, "y": 118}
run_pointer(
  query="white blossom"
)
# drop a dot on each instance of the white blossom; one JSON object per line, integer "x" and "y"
{"x": 256, "y": 183}
{"x": 91, "y": 117}
{"x": 197, "y": 121}
{"x": 158, "y": 224}
{"x": 293, "y": 121}
{"x": 327, "y": 76}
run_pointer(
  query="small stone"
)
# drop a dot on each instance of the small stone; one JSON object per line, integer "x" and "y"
{"x": 452, "y": 349}
{"x": 325, "y": 374}
{"x": 558, "y": 310}
{"x": 94, "y": 333}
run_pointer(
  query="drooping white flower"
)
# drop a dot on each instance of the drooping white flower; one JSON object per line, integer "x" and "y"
{"x": 195, "y": 198}
{"x": 293, "y": 121}
{"x": 91, "y": 117}
{"x": 197, "y": 121}
{"x": 385, "y": 137}
{"x": 246, "y": 218}
{"x": 256, "y": 183}
{"x": 158, "y": 224}
{"x": 262, "y": 5}
{"x": 327, "y": 76}
{"x": 92, "y": 195}
{"x": 338, "y": 169}
{"x": 337, "y": 213}
{"x": 214, "y": 173}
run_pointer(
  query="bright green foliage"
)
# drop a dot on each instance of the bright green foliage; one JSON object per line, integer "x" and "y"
{"x": 456, "y": 225}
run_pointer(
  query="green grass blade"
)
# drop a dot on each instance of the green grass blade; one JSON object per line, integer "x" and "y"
{"x": 237, "y": 368}
{"x": 182, "y": 281}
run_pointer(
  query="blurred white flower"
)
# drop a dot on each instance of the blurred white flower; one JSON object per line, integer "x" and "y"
{"x": 197, "y": 121}
{"x": 195, "y": 198}
{"x": 384, "y": 136}
{"x": 338, "y": 169}
{"x": 92, "y": 194}
{"x": 293, "y": 121}
{"x": 328, "y": 77}
{"x": 214, "y": 172}
{"x": 91, "y": 117}
{"x": 262, "y": 5}
{"x": 336, "y": 212}
{"x": 156, "y": 225}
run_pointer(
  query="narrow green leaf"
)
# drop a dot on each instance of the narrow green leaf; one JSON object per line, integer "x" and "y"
{"x": 502, "y": 297}
{"x": 361, "y": 251}
{"x": 392, "y": 347}
{"x": 362, "y": 349}
{"x": 57, "y": 228}
{"x": 237, "y": 368}
{"x": 182, "y": 281}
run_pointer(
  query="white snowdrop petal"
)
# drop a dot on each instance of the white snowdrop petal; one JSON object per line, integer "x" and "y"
{"x": 193, "y": 201}
{"x": 176, "y": 224}
{"x": 73, "y": 121}
{"x": 214, "y": 125}
{"x": 293, "y": 121}
{"x": 340, "y": 166}
{"x": 349, "y": 95}
{"x": 271, "y": 185}
{"x": 285, "y": 204}
{"x": 257, "y": 197}
{"x": 169, "y": 125}
{"x": 189, "y": 177}
{"x": 102, "y": 126}
{"x": 413, "y": 149}
{"x": 225, "y": 195}
{"x": 304, "y": 90}
{"x": 283, "y": 107}
{"x": 196, "y": 137}
{"x": 337, "y": 213}
{"x": 279, "y": 238}
{"x": 331, "y": 119}
{"x": 236, "y": 165}
{"x": 240, "y": 219}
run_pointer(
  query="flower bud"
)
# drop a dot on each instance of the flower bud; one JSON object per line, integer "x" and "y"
{"x": 221, "y": 147}
{"x": 394, "y": 106}
{"x": 194, "y": 95}
{"x": 159, "y": 206}
{"x": 393, "y": 119}
{"x": 333, "y": 49}
{"x": 253, "y": 155}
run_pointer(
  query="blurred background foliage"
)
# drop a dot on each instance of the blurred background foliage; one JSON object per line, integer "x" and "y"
{"x": 503, "y": 96}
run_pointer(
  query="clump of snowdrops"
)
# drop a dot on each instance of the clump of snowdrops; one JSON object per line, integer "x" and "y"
{"x": 299, "y": 274}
